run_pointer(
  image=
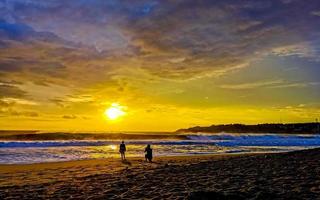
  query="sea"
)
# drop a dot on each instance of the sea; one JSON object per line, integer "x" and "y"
{"x": 38, "y": 149}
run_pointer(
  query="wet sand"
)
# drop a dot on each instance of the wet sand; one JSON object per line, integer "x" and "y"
{"x": 294, "y": 175}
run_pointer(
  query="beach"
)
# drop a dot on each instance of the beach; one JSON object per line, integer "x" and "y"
{"x": 292, "y": 175}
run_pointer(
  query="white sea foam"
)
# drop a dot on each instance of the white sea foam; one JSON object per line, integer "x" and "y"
{"x": 15, "y": 152}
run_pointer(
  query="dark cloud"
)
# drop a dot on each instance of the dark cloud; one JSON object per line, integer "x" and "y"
{"x": 24, "y": 113}
{"x": 5, "y": 104}
{"x": 10, "y": 82}
{"x": 30, "y": 55}
{"x": 69, "y": 117}
{"x": 222, "y": 34}
{"x": 6, "y": 66}
{"x": 48, "y": 68}
{"x": 11, "y": 91}
{"x": 24, "y": 33}
{"x": 58, "y": 102}
{"x": 38, "y": 67}
{"x": 170, "y": 39}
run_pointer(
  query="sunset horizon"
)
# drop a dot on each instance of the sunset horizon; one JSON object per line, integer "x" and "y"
{"x": 106, "y": 131}
{"x": 62, "y": 65}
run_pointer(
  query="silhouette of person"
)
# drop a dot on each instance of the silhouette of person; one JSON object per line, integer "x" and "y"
{"x": 122, "y": 150}
{"x": 148, "y": 152}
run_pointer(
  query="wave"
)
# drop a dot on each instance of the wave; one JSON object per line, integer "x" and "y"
{"x": 90, "y": 139}
{"x": 25, "y": 144}
{"x": 51, "y": 136}
{"x": 249, "y": 137}
{"x": 260, "y": 140}
{"x": 18, "y": 152}
{"x": 31, "y": 136}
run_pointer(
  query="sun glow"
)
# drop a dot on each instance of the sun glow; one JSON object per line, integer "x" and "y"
{"x": 114, "y": 111}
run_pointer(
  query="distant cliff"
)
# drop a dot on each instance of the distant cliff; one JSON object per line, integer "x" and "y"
{"x": 303, "y": 128}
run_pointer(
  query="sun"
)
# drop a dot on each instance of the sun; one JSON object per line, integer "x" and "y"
{"x": 114, "y": 111}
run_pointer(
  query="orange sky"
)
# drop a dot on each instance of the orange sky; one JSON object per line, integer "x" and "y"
{"x": 168, "y": 65}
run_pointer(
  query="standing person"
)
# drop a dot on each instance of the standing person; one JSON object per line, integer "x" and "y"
{"x": 122, "y": 150}
{"x": 148, "y": 151}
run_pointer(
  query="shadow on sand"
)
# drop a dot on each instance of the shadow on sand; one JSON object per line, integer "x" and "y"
{"x": 126, "y": 162}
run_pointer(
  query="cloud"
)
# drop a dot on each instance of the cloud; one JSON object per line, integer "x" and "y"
{"x": 36, "y": 67}
{"x": 7, "y": 90}
{"x": 5, "y": 104}
{"x": 69, "y": 117}
{"x": 66, "y": 53}
{"x": 59, "y": 102}
{"x": 14, "y": 112}
{"x": 251, "y": 85}
{"x": 301, "y": 50}
{"x": 300, "y": 110}
{"x": 15, "y": 101}
{"x": 68, "y": 100}
{"x": 41, "y": 57}
{"x": 174, "y": 40}
{"x": 214, "y": 36}
{"x": 268, "y": 84}
{"x": 25, "y": 113}
{"x": 316, "y": 13}
{"x": 79, "y": 99}
{"x": 296, "y": 85}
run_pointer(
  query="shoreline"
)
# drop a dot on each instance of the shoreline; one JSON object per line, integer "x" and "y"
{"x": 5, "y": 168}
{"x": 135, "y": 158}
{"x": 290, "y": 175}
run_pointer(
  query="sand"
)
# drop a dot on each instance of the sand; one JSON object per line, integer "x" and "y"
{"x": 294, "y": 175}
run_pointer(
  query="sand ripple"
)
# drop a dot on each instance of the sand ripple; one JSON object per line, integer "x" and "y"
{"x": 294, "y": 175}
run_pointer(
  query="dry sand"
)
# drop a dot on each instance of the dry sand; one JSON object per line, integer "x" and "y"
{"x": 294, "y": 175}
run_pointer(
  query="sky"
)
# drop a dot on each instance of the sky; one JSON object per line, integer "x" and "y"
{"x": 165, "y": 64}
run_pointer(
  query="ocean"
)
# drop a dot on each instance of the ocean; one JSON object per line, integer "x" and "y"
{"x": 39, "y": 149}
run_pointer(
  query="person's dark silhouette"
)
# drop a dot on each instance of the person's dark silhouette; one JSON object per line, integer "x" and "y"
{"x": 122, "y": 150}
{"x": 148, "y": 152}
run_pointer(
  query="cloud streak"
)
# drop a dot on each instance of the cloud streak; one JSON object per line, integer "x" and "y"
{"x": 268, "y": 84}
